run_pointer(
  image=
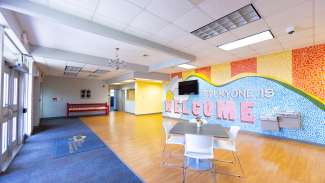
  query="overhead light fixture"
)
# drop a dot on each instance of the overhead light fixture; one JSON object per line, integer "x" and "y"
{"x": 116, "y": 83}
{"x": 186, "y": 66}
{"x": 238, "y": 18}
{"x": 256, "y": 38}
{"x": 116, "y": 63}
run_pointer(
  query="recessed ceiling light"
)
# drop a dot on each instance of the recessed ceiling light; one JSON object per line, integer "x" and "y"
{"x": 256, "y": 38}
{"x": 116, "y": 83}
{"x": 238, "y": 18}
{"x": 186, "y": 66}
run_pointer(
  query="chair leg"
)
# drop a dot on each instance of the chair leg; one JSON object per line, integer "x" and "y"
{"x": 184, "y": 170}
{"x": 236, "y": 160}
{"x": 213, "y": 172}
{"x": 240, "y": 166}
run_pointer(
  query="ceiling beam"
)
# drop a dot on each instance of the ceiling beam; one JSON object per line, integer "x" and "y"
{"x": 51, "y": 53}
{"x": 13, "y": 30}
{"x": 140, "y": 75}
{"x": 39, "y": 11}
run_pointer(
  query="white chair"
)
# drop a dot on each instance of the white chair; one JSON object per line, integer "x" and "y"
{"x": 230, "y": 145}
{"x": 200, "y": 148}
{"x": 171, "y": 139}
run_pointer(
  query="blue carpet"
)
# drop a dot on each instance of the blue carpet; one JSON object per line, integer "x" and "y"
{"x": 35, "y": 162}
{"x": 70, "y": 146}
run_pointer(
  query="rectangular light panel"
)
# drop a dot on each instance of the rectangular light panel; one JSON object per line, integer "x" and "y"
{"x": 187, "y": 66}
{"x": 263, "y": 36}
{"x": 238, "y": 18}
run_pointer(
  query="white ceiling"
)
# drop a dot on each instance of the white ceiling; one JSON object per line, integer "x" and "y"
{"x": 169, "y": 22}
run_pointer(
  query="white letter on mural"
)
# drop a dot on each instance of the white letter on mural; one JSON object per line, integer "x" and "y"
{"x": 195, "y": 108}
{"x": 168, "y": 106}
{"x": 184, "y": 108}
{"x": 226, "y": 110}
{"x": 176, "y": 108}
{"x": 246, "y": 112}
{"x": 207, "y": 108}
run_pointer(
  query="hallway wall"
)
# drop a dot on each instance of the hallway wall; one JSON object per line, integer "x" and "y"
{"x": 57, "y": 91}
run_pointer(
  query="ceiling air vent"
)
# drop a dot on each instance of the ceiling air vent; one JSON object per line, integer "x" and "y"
{"x": 72, "y": 69}
{"x": 238, "y": 18}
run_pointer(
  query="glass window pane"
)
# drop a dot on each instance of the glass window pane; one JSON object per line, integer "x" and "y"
{"x": 15, "y": 91}
{"x": 14, "y": 129}
{"x": 4, "y": 137}
{"x": 5, "y": 99}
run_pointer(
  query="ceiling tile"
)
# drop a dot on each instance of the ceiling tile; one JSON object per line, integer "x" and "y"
{"x": 268, "y": 8}
{"x": 141, "y": 3}
{"x": 299, "y": 16}
{"x": 193, "y": 20}
{"x": 89, "y": 67}
{"x": 244, "y": 52}
{"x": 196, "y": 2}
{"x": 169, "y": 9}
{"x": 149, "y": 23}
{"x": 116, "y": 11}
{"x": 81, "y": 8}
{"x": 109, "y": 22}
{"x": 267, "y": 47}
{"x": 185, "y": 41}
{"x": 171, "y": 32}
{"x": 297, "y": 40}
{"x": 223, "y": 38}
{"x": 250, "y": 29}
{"x": 43, "y": 2}
{"x": 220, "y": 8}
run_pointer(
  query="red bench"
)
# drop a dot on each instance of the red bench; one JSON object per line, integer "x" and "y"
{"x": 87, "y": 108}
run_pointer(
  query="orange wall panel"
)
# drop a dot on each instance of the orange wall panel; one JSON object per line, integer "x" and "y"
{"x": 176, "y": 74}
{"x": 205, "y": 71}
{"x": 308, "y": 69}
{"x": 242, "y": 66}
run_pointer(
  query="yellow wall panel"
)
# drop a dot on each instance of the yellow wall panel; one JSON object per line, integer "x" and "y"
{"x": 148, "y": 97}
{"x": 187, "y": 73}
{"x": 220, "y": 73}
{"x": 277, "y": 65}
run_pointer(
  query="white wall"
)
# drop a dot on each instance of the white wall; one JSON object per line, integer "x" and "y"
{"x": 68, "y": 90}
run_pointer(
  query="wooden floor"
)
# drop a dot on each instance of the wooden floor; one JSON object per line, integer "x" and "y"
{"x": 138, "y": 141}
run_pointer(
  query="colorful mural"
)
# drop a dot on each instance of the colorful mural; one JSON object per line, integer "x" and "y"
{"x": 308, "y": 69}
{"x": 236, "y": 93}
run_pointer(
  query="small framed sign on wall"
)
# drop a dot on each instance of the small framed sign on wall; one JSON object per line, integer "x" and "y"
{"x": 85, "y": 94}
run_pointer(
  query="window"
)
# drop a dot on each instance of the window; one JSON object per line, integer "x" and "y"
{"x": 14, "y": 129}
{"x": 4, "y": 137}
{"x": 15, "y": 91}
{"x": 5, "y": 89}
